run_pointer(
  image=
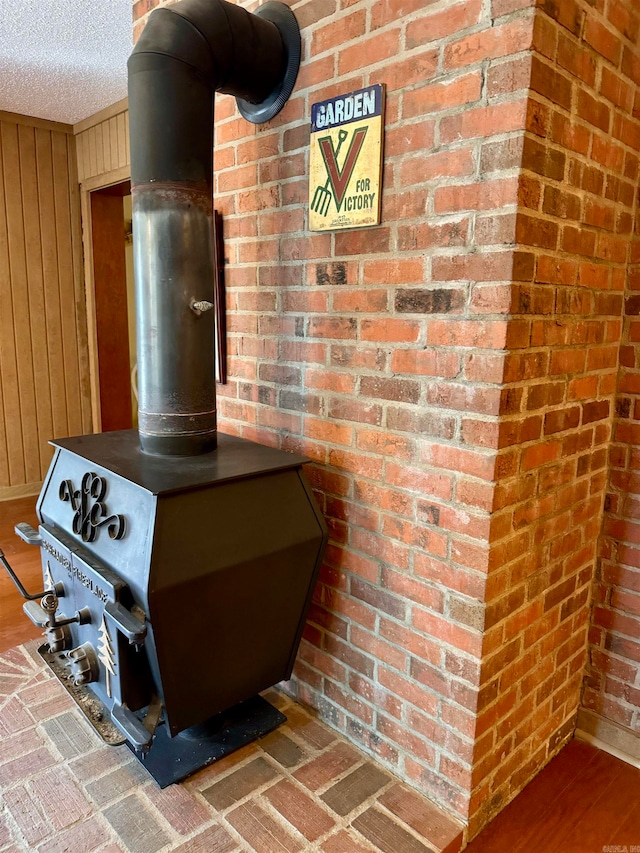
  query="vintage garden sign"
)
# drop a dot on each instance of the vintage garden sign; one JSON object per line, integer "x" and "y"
{"x": 345, "y": 167}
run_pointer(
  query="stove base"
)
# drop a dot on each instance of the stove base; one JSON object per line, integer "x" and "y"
{"x": 172, "y": 759}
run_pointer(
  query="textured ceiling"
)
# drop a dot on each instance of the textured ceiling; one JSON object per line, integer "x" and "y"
{"x": 63, "y": 59}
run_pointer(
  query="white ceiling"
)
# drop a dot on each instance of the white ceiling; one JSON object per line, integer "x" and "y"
{"x": 63, "y": 59}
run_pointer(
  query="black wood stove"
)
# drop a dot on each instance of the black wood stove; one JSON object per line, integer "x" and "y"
{"x": 178, "y": 565}
{"x": 175, "y": 590}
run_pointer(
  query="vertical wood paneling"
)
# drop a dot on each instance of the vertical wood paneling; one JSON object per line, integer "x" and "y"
{"x": 86, "y": 159}
{"x": 20, "y": 288}
{"x": 65, "y": 276}
{"x": 79, "y": 149}
{"x": 4, "y": 457}
{"x": 45, "y": 388}
{"x": 106, "y": 146}
{"x": 44, "y": 392}
{"x": 103, "y": 142}
{"x": 51, "y": 285}
{"x": 100, "y": 167}
{"x": 113, "y": 142}
{"x": 9, "y": 432}
{"x": 126, "y": 138}
{"x": 37, "y": 309}
{"x": 122, "y": 139}
{"x": 91, "y": 136}
{"x": 79, "y": 286}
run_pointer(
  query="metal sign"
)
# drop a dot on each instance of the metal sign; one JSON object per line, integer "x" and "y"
{"x": 345, "y": 164}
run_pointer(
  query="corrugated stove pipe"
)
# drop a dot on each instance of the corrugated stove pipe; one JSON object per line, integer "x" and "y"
{"x": 185, "y": 54}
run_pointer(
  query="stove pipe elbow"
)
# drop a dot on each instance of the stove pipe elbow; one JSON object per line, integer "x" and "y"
{"x": 186, "y": 53}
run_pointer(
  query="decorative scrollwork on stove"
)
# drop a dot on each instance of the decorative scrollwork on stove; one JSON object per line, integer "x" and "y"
{"x": 90, "y": 510}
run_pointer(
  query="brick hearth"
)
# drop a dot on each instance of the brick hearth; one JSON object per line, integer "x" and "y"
{"x": 302, "y": 788}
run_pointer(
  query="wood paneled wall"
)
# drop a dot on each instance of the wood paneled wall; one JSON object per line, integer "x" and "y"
{"x": 102, "y": 142}
{"x": 44, "y": 377}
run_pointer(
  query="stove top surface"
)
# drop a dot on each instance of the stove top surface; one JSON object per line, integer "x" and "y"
{"x": 234, "y": 458}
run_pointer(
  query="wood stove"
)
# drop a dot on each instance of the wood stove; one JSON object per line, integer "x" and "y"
{"x": 178, "y": 565}
{"x": 175, "y": 589}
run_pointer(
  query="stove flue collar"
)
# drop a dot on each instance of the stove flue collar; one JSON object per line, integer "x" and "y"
{"x": 284, "y": 19}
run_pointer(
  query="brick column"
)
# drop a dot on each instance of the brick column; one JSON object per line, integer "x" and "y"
{"x": 577, "y": 199}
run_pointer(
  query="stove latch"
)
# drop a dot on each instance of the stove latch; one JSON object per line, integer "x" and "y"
{"x": 43, "y": 614}
{"x": 133, "y": 629}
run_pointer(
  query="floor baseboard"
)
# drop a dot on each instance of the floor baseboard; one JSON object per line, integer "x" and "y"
{"x": 609, "y": 736}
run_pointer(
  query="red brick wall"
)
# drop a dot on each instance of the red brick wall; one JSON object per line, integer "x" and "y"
{"x": 379, "y": 354}
{"x": 451, "y": 373}
{"x": 612, "y": 686}
{"x": 577, "y": 195}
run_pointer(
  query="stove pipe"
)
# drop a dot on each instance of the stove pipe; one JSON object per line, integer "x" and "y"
{"x": 186, "y": 53}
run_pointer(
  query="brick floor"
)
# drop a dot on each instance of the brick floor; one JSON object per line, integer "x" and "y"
{"x": 302, "y": 788}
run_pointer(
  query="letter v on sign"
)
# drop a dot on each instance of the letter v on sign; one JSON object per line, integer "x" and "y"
{"x": 340, "y": 177}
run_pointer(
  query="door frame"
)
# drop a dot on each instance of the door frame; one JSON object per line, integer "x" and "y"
{"x": 110, "y": 180}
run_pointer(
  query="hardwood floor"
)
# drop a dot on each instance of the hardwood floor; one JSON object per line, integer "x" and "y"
{"x": 584, "y": 801}
{"x": 15, "y": 628}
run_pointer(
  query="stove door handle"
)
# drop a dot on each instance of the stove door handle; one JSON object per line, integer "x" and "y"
{"x": 38, "y": 616}
{"x": 27, "y": 533}
{"x": 134, "y": 630}
{"x": 131, "y": 727}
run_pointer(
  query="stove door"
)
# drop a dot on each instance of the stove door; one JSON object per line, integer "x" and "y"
{"x": 97, "y": 631}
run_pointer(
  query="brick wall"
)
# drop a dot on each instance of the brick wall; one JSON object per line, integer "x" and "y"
{"x": 612, "y": 686}
{"x": 577, "y": 199}
{"x": 378, "y": 353}
{"x": 451, "y": 373}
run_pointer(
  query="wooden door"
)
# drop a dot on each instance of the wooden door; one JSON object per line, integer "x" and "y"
{"x": 110, "y": 294}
